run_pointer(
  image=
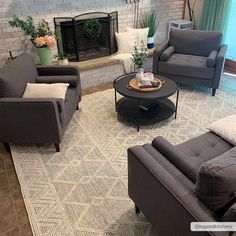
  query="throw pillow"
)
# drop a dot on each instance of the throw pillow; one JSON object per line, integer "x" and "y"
{"x": 125, "y": 42}
{"x": 57, "y": 90}
{"x": 216, "y": 181}
{"x": 140, "y": 34}
{"x": 225, "y": 128}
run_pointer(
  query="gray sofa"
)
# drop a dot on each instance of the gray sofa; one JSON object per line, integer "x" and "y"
{"x": 25, "y": 120}
{"x": 191, "y": 182}
{"x": 191, "y": 57}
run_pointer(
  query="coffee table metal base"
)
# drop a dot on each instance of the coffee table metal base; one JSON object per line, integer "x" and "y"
{"x": 144, "y": 112}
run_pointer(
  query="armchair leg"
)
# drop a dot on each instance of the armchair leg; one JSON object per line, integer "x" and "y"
{"x": 57, "y": 146}
{"x": 213, "y": 92}
{"x": 137, "y": 210}
{"x": 7, "y": 147}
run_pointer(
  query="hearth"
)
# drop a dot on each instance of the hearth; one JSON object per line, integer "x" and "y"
{"x": 87, "y": 36}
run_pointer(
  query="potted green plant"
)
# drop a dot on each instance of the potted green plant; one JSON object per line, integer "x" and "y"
{"x": 41, "y": 36}
{"x": 139, "y": 57}
{"x": 150, "y": 20}
{"x": 62, "y": 58}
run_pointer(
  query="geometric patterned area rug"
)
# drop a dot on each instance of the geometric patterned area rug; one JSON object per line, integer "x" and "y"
{"x": 82, "y": 191}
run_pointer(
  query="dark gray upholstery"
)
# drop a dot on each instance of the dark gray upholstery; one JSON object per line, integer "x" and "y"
{"x": 216, "y": 181}
{"x": 230, "y": 215}
{"x": 10, "y": 84}
{"x": 35, "y": 120}
{"x": 169, "y": 167}
{"x": 205, "y": 146}
{"x": 165, "y": 193}
{"x": 190, "y": 155}
{"x": 194, "y": 61}
{"x": 195, "y": 42}
{"x": 188, "y": 165}
{"x": 71, "y": 80}
{"x": 211, "y": 59}
{"x": 196, "y": 66}
{"x": 167, "y": 53}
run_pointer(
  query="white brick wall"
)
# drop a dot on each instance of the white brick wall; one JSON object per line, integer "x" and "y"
{"x": 13, "y": 39}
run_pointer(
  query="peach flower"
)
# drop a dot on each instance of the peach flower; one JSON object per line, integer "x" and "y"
{"x": 50, "y": 41}
{"x": 40, "y": 41}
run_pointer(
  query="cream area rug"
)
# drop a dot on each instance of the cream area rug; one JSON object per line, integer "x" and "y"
{"x": 82, "y": 191}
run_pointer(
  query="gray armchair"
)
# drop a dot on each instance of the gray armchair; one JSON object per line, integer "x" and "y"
{"x": 26, "y": 120}
{"x": 192, "y": 57}
{"x": 191, "y": 182}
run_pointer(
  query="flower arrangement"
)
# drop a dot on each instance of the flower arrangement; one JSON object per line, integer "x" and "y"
{"x": 40, "y": 36}
{"x": 139, "y": 56}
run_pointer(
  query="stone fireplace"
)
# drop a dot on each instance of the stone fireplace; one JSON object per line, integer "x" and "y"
{"x": 72, "y": 38}
{"x": 15, "y": 41}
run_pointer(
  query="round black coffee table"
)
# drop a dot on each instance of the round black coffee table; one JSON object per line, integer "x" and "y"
{"x": 145, "y": 107}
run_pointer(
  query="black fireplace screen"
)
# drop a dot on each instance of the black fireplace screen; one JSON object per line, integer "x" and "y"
{"x": 87, "y": 36}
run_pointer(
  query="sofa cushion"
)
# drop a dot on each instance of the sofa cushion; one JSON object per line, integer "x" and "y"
{"x": 211, "y": 59}
{"x": 15, "y": 75}
{"x": 216, "y": 181}
{"x": 195, "y": 42}
{"x": 167, "y": 53}
{"x": 186, "y": 65}
{"x": 205, "y": 146}
{"x": 225, "y": 128}
{"x": 37, "y": 90}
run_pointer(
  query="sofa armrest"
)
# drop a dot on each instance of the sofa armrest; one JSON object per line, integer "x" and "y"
{"x": 72, "y": 80}
{"x": 211, "y": 59}
{"x": 219, "y": 66}
{"x": 27, "y": 120}
{"x": 157, "y": 53}
{"x": 58, "y": 70}
{"x": 167, "y": 53}
{"x": 53, "y": 74}
{"x": 163, "y": 199}
{"x": 230, "y": 215}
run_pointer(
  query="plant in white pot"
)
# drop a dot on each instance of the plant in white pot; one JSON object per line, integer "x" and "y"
{"x": 62, "y": 58}
{"x": 139, "y": 57}
{"x": 150, "y": 20}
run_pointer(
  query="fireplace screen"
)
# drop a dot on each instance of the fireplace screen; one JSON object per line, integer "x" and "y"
{"x": 87, "y": 36}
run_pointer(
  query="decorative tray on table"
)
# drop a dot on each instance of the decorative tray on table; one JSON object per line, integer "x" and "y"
{"x": 155, "y": 85}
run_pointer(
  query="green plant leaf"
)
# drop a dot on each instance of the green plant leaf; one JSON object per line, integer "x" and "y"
{"x": 150, "y": 20}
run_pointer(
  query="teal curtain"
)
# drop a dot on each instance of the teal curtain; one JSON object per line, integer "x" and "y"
{"x": 215, "y": 14}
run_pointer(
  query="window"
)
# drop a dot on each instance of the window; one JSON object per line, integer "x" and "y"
{"x": 230, "y": 36}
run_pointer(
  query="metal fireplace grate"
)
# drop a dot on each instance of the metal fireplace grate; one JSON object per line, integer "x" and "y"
{"x": 73, "y": 41}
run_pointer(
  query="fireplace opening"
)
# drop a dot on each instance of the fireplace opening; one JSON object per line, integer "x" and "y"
{"x": 87, "y": 36}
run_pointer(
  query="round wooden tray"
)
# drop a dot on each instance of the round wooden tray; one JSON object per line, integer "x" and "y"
{"x": 134, "y": 85}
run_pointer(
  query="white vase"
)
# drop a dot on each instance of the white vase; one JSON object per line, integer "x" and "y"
{"x": 139, "y": 75}
{"x": 150, "y": 42}
{"x": 63, "y": 62}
